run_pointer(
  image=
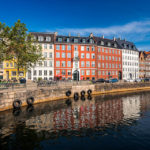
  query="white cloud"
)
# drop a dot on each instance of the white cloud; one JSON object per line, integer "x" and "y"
{"x": 134, "y": 31}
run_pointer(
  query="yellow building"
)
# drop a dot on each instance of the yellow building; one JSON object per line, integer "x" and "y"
{"x": 10, "y": 71}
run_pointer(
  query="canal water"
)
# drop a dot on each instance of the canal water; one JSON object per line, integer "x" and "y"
{"x": 103, "y": 122}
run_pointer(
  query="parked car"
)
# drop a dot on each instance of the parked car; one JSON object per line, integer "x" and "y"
{"x": 113, "y": 80}
{"x": 129, "y": 80}
{"x": 146, "y": 80}
{"x": 99, "y": 81}
{"x": 138, "y": 80}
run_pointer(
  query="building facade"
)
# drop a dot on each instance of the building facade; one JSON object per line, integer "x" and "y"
{"x": 144, "y": 64}
{"x": 130, "y": 59}
{"x": 75, "y": 58}
{"x": 43, "y": 69}
{"x": 109, "y": 59}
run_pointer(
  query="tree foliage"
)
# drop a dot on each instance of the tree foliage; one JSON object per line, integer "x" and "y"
{"x": 16, "y": 44}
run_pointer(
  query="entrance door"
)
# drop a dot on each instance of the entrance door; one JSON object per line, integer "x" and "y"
{"x": 7, "y": 75}
{"x": 76, "y": 75}
{"x": 120, "y": 75}
{"x": 29, "y": 74}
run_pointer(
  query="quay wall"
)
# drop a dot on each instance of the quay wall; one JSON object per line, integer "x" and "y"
{"x": 45, "y": 94}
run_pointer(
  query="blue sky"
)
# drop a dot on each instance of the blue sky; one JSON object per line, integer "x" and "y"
{"x": 129, "y": 19}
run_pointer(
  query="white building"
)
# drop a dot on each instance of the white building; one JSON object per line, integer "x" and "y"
{"x": 130, "y": 60}
{"x": 43, "y": 69}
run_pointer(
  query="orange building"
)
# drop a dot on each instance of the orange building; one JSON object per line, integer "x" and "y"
{"x": 86, "y": 58}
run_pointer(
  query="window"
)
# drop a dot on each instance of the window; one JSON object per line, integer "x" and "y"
{"x": 63, "y": 63}
{"x": 82, "y": 72}
{"x": 59, "y": 39}
{"x": 68, "y": 40}
{"x": 50, "y": 72}
{"x": 57, "y": 63}
{"x": 87, "y": 72}
{"x": 103, "y": 65}
{"x": 75, "y": 40}
{"x": 75, "y": 47}
{"x": 82, "y": 63}
{"x": 69, "y": 55}
{"x": 57, "y": 72}
{"x": 93, "y": 63}
{"x": 63, "y": 47}
{"x": 40, "y": 38}
{"x": 69, "y": 63}
{"x": 110, "y": 51}
{"x": 102, "y": 43}
{"x": 11, "y": 64}
{"x": 99, "y": 49}
{"x": 99, "y": 65}
{"x": 69, "y": 47}
{"x": 115, "y": 45}
{"x": 48, "y": 38}
{"x": 50, "y": 55}
{"x": 113, "y": 58}
{"x": 87, "y": 64}
{"x": 113, "y": 51}
{"x": 45, "y": 54}
{"x": 57, "y": 55}
{"x": 88, "y": 48}
{"x": 21, "y": 73}
{"x": 57, "y": 47}
{"x": 102, "y": 49}
{"x": 45, "y": 46}
{"x": 34, "y": 72}
{"x": 82, "y": 55}
{"x": 106, "y": 57}
{"x": 109, "y": 57}
{"x": 112, "y": 65}
{"x": 106, "y": 65}
{"x": 40, "y": 63}
{"x": 45, "y": 72}
{"x": 82, "y": 48}
{"x": 109, "y": 65}
{"x": 63, "y": 55}
{"x": 87, "y": 55}
{"x": 69, "y": 72}
{"x": 91, "y": 41}
{"x": 93, "y": 72}
{"x": 63, "y": 72}
{"x": 13, "y": 73}
{"x": 116, "y": 51}
{"x": 50, "y": 63}
{"x": 83, "y": 40}
{"x": 106, "y": 51}
{"x": 93, "y": 48}
{"x": 40, "y": 72}
{"x": 93, "y": 56}
{"x": 109, "y": 44}
{"x": 102, "y": 57}
{"x": 99, "y": 72}
{"x": 45, "y": 63}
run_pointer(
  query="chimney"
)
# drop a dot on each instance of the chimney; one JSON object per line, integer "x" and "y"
{"x": 69, "y": 34}
{"x": 56, "y": 33}
{"x": 114, "y": 38}
{"x": 78, "y": 34}
{"x": 91, "y": 35}
{"x": 103, "y": 36}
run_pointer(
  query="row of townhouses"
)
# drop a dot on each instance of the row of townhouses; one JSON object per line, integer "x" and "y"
{"x": 80, "y": 58}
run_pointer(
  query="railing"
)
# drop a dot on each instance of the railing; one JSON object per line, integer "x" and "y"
{"x": 4, "y": 86}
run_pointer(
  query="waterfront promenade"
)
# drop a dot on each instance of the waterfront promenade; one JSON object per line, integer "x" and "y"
{"x": 44, "y": 93}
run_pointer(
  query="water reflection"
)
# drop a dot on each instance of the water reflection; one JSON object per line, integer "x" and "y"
{"x": 88, "y": 116}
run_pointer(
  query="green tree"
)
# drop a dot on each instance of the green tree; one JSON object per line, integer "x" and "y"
{"x": 18, "y": 45}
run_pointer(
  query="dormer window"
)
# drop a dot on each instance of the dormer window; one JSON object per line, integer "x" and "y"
{"x": 108, "y": 44}
{"x": 125, "y": 46}
{"x": 83, "y": 40}
{"x": 40, "y": 38}
{"x": 102, "y": 43}
{"x": 115, "y": 45}
{"x": 68, "y": 40}
{"x": 91, "y": 41}
{"x": 75, "y": 40}
{"x": 59, "y": 39}
{"x": 48, "y": 38}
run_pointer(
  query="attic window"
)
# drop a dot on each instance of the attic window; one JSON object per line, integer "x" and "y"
{"x": 68, "y": 40}
{"x": 48, "y": 38}
{"x": 102, "y": 43}
{"x": 91, "y": 41}
{"x": 115, "y": 45}
{"x": 59, "y": 39}
{"x": 40, "y": 38}
{"x": 83, "y": 40}
{"x": 75, "y": 40}
{"x": 125, "y": 46}
{"x": 108, "y": 44}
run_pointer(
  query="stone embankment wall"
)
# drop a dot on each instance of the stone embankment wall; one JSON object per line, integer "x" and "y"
{"x": 58, "y": 92}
